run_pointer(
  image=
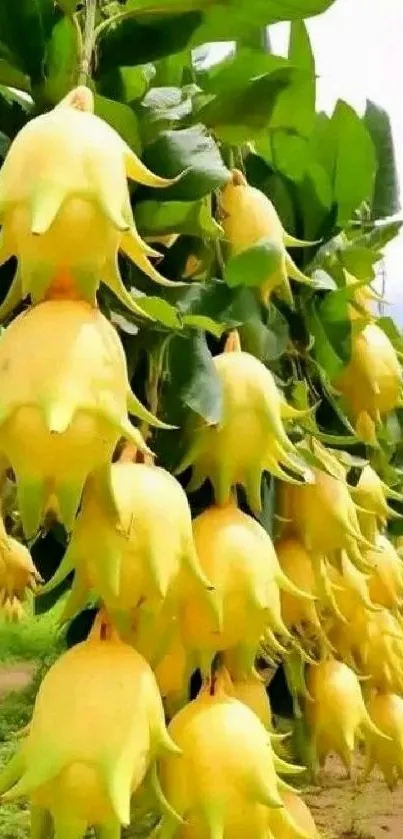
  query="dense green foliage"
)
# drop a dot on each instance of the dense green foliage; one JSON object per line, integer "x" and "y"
{"x": 253, "y": 110}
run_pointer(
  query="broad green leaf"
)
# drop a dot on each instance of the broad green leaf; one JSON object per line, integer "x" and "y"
{"x": 121, "y": 118}
{"x": 205, "y": 323}
{"x": 331, "y": 398}
{"x": 240, "y": 17}
{"x": 62, "y": 60}
{"x": 295, "y": 106}
{"x": 239, "y": 115}
{"x": 170, "y": 70}
{"x": 238, "y": 70}
{"x": 12, "y": 77}
{"x": 162, "y": 311}
{"x": 324, "y": 352}
{"x": 266, "y": 339}
{"x": 278, "y": 190}
{"x": 291, "y": 154}
{"x": 25, "y": 27}
{"x": 360, "y": 261}
{"x": 162, "y": 107}
{"x": 323, "y": 142}
{"x": 253, "y": 266}
{"x": 168, "y": 103}
{"x": 192, "y": 151}
{"x": 315, "y": 201}
{"x": 385, "y": 198}
{"x": 217, "y": 301}
{"x": 194, "y": 376}
{"x": 355, "y": 161}
{"x": 300, "y": 49}
{"x": 145, "y": 37}
{"x": 192, "y": 218}
{"x": 126, "y": 84}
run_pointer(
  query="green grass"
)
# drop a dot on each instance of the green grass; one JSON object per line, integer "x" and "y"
{"x": 31, "y": 640}
{"x": 35, "y": 639}
{"x": 15, "y": 713}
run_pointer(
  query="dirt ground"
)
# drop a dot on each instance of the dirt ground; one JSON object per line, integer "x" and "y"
{"x": 342, "y": 808}
{"x": 16, "y": 676}
{"x": 347, "y": 809}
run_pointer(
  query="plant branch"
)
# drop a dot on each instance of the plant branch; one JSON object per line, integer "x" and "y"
{"x": 80, "y": 42}
{"x": 89, "y": 41}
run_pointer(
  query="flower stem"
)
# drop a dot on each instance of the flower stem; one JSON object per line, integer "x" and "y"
{"x": 89, "y": 41}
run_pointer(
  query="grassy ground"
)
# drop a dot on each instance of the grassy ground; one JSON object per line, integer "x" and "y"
{"x": 35, "y": 640}
{"x": 31, "y": 640}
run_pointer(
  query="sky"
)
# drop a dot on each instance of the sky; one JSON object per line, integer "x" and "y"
{"x": 358, "y": 47}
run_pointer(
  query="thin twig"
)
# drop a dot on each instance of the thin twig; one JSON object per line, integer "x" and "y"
{"x": 89, "y": 41}
{"x": 80, "y": 42}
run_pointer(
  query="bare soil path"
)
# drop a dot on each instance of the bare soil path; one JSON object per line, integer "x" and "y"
{"x": 348, "y": 809}
{"x": 16, "y": 676}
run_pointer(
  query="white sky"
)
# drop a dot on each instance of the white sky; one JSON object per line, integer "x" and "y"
{"x": 358, "y": 46}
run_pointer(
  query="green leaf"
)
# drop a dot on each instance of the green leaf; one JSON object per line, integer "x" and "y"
{"x": 192, "y": 218}
{"x": 295, "y": 107}
{"x": 355, "y": 161}
{"x": 170, "y": 70}
{"x": 385, "y": 198}
{"x": 300, "y": 49}
{"x": 162, "y": 311}
{"x": 194, "y": 376}
{"x": 62, "y": 60}
{"x": 12, "y": 77}
{"x": 239, "y": 70}
{"x": 215, "y": 300}
{"x": 191, "y": 149}
{"x": 360, "y": 261}
{"x": 238, "y": 116}
{"x": 325, "y": 354}
{"x": 126, "y": 84}
{"x": 205, "y": 323}
{"x": 291, "y": 154}
{"x": 265, "y": 339}
{"x": 323, "y": 142}
{"x": 315, "y": 200}
{"x": 146, "y": 37}
{"x": 162, "y": 107}
{"x": 121, "y": 118}
{"x": 253, "y": 266}
{"x": 25, "y": 27}
{"x": 239, "y": 17}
